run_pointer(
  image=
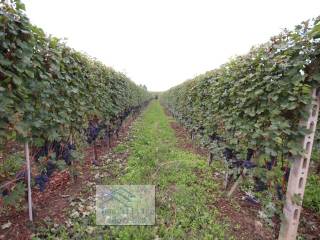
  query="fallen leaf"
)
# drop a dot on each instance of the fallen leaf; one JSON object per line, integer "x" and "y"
{"x": 6, "y": 225}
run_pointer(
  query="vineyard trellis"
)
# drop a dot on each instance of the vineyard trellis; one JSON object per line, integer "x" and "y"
{"x": 257, "y": 102}
{"x": 49, "y": 96}
{"x": 258, "y": 112}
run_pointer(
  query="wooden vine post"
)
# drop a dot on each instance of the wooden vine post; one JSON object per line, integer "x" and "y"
{"x": 27, "y": 156}
{"x": 298, "y": 176}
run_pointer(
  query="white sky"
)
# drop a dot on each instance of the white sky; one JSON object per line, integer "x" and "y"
{"x": 161, "y": 43}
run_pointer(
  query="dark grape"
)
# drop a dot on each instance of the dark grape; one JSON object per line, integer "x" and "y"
{"x": 248, "y": 164}
{"x": 287, "y": 174}
{"x": 95, "y": 162}
{"x": 41, "y": 180}
{"x": 270, "y": 164}
{"x": 72, "y": 146}
{"x": 92, "y": 132}
{"x": 50, "y": 168}
{"x": 228, "y": 153}
{"x": 5, "y": 192}
{"x": 66, "y": 156}
{"x": 237, "y": 163}
{"x": 260, "y": 185}
{"x": 250, "y": 153}
{"x": 279, "y": 192}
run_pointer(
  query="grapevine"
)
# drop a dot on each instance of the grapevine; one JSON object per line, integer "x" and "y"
{"x": 51, "y": 94}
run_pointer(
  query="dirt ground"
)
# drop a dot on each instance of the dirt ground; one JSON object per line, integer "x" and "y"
{"x": 54, "y": 201}
{"x": 240, "y": 215}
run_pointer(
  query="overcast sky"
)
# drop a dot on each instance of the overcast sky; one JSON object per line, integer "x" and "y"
{"x": 161, "y": 43}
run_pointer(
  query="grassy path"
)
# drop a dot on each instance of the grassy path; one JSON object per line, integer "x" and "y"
{"x": 185, "y": 191}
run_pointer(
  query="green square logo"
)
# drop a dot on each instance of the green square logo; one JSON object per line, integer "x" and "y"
{"x": 125, "y": 204}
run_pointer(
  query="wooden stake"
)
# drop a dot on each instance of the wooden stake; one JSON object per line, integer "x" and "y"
{"x": 95, "y": 151}
{"x": 210, "y": 158}
{"x": 298, "y": 176}
{"x": 27, "y": 156}
{"x": 240, "y": 178}
{"x": 237, "y": 182}
{"x": 226, "y": 179}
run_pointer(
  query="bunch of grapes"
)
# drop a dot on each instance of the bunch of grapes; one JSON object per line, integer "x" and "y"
{"x": 215, "y": 137}
{"x": 66, "y": 153}
{"x": 41, "y": 180}
{"x": 92, "y": 132}
{"x": 231, "y": 157}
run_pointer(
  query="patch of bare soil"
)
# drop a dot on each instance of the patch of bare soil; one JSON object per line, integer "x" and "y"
{"x": 309, "y": 226}
{"x": 243, "y": 218}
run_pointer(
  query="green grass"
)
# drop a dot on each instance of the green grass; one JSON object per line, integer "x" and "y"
{"x": 312, "y": 193}
{"x": 185, "y": 191}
